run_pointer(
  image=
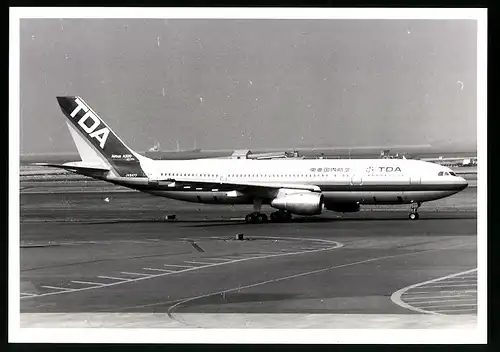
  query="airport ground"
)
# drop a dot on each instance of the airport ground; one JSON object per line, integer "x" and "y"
{"x": 94, "y": 256}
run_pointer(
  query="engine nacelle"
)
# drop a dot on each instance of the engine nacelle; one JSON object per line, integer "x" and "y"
{"x": 343, "y": 207}
{"x": 301, "y": 203}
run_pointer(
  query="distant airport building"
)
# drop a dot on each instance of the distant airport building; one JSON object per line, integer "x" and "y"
{"x": 247, "y": 154}
{"x": 457, "y": 161}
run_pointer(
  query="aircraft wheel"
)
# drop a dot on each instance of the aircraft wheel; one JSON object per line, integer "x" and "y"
{"x": 261, "y": 218}
{"x": 276, "y": 216}
{"x": 413, "y": 216}
{"x": 249, "y": 219}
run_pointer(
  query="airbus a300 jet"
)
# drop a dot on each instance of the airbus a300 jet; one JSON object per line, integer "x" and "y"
{"x": 291, "y": 186}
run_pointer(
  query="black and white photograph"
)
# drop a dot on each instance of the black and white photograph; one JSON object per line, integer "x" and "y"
{"x": 247, "y": 175}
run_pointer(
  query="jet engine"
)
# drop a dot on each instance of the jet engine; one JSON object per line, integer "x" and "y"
{"x": 343, "y": 207}
{"x": 301, "y": 203}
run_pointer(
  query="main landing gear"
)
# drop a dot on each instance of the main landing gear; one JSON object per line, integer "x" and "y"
{"x": 277, "y": 216}
{"x": 281, "y": 216}
{"x": 258, "y": 218}
{"x": 413, "y": 211}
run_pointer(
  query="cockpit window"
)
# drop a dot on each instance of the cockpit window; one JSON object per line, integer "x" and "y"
{"x": 440, "y": 173}
{"x": 453, "y": 174}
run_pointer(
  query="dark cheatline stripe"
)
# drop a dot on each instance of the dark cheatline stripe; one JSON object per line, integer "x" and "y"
{"x": 208, "y": 186}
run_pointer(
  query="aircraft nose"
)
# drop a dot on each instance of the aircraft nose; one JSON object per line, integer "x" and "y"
{"x": 462, "y": 183}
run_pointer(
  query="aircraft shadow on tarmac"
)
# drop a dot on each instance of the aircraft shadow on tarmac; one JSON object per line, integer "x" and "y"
{"x": 301, "y": 220}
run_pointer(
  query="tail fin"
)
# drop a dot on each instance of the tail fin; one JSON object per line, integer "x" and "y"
{"x": 97, "y": 144}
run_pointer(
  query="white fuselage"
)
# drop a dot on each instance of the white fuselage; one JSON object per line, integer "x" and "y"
{"x": 362, "y": 181}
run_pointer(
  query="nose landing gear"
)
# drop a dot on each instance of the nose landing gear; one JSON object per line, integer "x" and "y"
{"x": 413, "y": 211}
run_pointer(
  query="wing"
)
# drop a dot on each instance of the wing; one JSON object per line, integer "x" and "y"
{"x": 265, "y": 189}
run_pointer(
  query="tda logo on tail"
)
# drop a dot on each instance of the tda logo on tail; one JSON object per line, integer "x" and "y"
{"x": 100, "y": 134}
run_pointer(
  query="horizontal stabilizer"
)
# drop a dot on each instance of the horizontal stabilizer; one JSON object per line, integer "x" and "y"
{"x": 76, "y": 167}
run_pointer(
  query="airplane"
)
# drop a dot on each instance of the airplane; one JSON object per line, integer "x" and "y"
{"x": 292, "y": 186}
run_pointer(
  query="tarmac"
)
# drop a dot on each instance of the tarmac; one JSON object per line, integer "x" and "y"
{"x": 94, "y": 257}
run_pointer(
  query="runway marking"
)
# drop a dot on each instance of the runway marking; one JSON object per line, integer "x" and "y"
{"x": 183, "y": 301}
{"x": 457, "y": 310}
{"x": 459, "y": 285}
{"x": 447, "y": 291}
{"x": 454, "y": 305}
{"x": 89, "y": 283}
{"x": 193, "y": 262}
{"x": 218, "y": 259}
{"x": 132, "y": 241}
{"x": 396, "y": 296}
{"x": 58, "y": 288}
{"x": 448, "y": 300}
{"x": 163, "y": 270}
{"x": 470, "y": 281}
{"x": 469, "y": 277}
{"x": 432, "y": 297}
{"x": 113, "y": 278}
{"x": 137, "y": 274}
{"x": 335, "y": 245}
{"x": 28, "y": 294}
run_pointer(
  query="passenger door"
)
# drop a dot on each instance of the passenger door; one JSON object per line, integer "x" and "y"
{"x": 415, "y": 180}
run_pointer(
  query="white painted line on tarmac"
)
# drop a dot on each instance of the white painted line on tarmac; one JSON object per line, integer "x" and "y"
{"x": 396, "y": 296}
{"x": 113, "y": 278}
{"x": 136, "y": 274}
{"x": 218, "y": 259}
{"x": 454, "y": 305}
{"x": 451, "y": 285}
{"x": 445, "y": 301}
{"x": 193, "y": 262}
{"x": 470, "y": 282}
{"x": 457, "y": 310}
{"x": 441, "y": 291}
{"x": 89, "y": 283}
{"x": 284, "y": 278}
{"x": 432, "y": 297}
{"x": 27, "y": 294}
{"x": 180, "y": 266}
{"x": 162, "y": 270}
{"x": 334, "y": 245}
{"x": 58, "y": 288}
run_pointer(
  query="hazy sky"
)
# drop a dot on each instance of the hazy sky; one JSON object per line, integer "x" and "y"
{"x": 234, "y": 84}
